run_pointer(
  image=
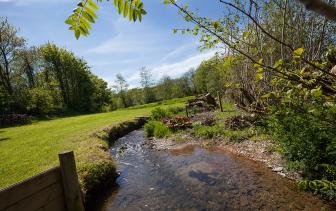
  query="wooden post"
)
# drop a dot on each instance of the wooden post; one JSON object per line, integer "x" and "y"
{"x": 220, "y": 101}
{"x": 72, "y": 192}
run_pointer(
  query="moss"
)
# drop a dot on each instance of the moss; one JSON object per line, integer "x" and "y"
{"x": 97, "y": 177}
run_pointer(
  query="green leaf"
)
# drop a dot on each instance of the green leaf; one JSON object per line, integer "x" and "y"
{"x": 125, "y": 9}
{"x": 278, "y": 63}
{"x": 260, "y": 62}
{"x": 316, "y": 92}
{"x": 298, "y": 53}
{"x": 88, "y": 16}
{"x": 90, "y": 11}
{"x": 246, "y": 34}
{"x": 77, "y": 34}
{"x": 120, "y": 6}
{"x": 259, "y": 76}
{"x": 215, "y": 24}
{"x": 93, "y": 5}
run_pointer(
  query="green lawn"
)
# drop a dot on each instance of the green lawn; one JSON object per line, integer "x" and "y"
{"x": 30, "y": 149}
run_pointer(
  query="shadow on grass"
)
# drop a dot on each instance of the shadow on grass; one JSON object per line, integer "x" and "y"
{"x": 4, "y": 139}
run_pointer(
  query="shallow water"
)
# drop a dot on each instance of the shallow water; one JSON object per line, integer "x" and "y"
{"x": 193, "y": 178}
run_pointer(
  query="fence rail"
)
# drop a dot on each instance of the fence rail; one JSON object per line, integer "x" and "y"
{"x": 56, "y": 189}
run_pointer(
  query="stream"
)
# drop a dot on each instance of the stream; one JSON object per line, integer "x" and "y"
{"x": 193, "y": 178}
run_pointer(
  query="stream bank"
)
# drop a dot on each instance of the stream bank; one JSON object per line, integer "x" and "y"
{"x": 102, "y": 174}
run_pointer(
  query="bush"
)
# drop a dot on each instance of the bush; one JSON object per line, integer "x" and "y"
{"x": 239, "y": 135}
{"x": 159, "y": 113}
{"x": 157, "y": 129}
{"x": 14, "y": 119}
{"x": 307, "y": 142}
{"x": 161, "y": 130}
{"x": 175, "y": 110}
{"x": 209, "y": 131}
{"x": 324, "y": 187}
{"x": 149, "y": 128}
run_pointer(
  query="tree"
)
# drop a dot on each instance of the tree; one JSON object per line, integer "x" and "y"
{"x": 165, "y": 87}
{"x": 29, "y": 64}
{"x": 74, "y": 80}
{"x": 10, "y": 45}
{"x": 101, "y": 94}
{"x": 121, "y": 86}
{"x": 146, "y": 82}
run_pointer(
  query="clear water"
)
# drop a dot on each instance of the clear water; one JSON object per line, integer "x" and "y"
{"x": 193, "y": 178}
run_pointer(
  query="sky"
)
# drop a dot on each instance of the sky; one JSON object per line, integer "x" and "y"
{"x": 115, "y": 45}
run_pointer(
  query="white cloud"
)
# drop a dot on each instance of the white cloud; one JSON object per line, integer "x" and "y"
{"x": 124, "y": 44}
{"x": 175, "y": 69}
{"x": 178, "y": 68}
{"x": 131, "y": 38}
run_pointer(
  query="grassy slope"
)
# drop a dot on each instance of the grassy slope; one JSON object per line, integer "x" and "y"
{"x": 30, "y": 149}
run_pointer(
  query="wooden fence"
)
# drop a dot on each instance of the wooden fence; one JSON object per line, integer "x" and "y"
{"x": 56, "y": 189}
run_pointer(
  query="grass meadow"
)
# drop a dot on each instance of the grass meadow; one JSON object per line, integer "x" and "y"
{"x": 30, "y": 149}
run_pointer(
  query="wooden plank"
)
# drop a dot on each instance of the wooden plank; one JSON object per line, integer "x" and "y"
{"x": 26, "y": 188}
{"x": 57, "y": 204}
{"x": 38, "y": 199}
{"x": 72, "y": 191}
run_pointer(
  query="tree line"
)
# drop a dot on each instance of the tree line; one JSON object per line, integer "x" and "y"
{"x": 45, "y": 79}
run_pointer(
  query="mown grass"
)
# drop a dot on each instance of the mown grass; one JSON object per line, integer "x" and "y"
{"x": 30, "y": 149}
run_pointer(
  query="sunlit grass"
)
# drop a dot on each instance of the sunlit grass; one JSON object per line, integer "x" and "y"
{"x": 30, "y": 149}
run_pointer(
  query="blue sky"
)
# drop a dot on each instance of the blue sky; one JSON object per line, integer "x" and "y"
{"x": 115, "y": 45}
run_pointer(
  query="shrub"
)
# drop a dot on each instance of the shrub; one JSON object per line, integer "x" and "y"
{"x": 208, "y": 131}
{"x": 157, "y": 129}
{"x": 175, "y": 109}
{"x": 149, "y": 128}
{"x": 324, "y": 187}
{"x": 159, "y": 113}
{"x": 306, "y": 140}
{"x": 14, "y": 119}
{"x": 161, "y": 130}
{"x": 239, "y": 135}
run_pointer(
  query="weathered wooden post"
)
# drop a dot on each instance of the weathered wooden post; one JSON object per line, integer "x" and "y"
{"x": 72, "y": 191}
{"x": 220, "y": 100}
